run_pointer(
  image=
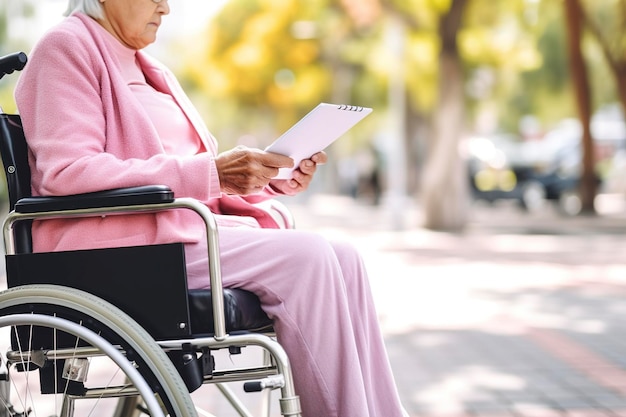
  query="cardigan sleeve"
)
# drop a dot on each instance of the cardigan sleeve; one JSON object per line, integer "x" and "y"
{"x": 84, "y": 131}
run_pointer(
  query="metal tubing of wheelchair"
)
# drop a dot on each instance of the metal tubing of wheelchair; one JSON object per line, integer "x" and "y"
{"x": 234, "y": 401}
{"x": 179, "y": 203}
{"x": 290, "y": 401}
{"x": 285, "y": 213}
{"x": 67, "y": 408}
{"x": 52, "y": 354}
{"x": 111, "y": 392}
{"x": 240, "y": 374}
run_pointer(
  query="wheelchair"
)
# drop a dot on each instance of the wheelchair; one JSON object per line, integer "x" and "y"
{"x": 116, "y": 331}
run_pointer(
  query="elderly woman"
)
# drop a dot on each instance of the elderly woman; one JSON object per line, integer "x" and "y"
{"x": 99, "y": 114}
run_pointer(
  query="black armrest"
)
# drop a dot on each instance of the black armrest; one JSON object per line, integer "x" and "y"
{"x": 149, "y": 194}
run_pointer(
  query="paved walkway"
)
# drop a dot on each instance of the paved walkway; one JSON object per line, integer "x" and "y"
{"x": 521, "y": 315}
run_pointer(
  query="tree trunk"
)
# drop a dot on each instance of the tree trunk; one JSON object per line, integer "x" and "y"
{"x": 578, "y": 69}
{"x": 445, "y": 185}
{"x": 588, "y": 184}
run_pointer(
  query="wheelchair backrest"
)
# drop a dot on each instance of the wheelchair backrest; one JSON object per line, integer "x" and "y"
{"x": 148, "y": 282}
{"x": 14, "y": 154}
{"x": 124, "y": 276}
{"x": 13, "y": 148}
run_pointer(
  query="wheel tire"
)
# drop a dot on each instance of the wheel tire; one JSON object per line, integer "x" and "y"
{"x": 100, "y": 316}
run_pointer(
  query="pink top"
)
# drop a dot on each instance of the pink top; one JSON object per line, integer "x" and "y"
{"x": 177, "y": 134}
{"x": 88, "y": 131}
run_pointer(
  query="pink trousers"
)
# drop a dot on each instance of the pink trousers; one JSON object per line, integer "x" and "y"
{"x": 318, "y": 295}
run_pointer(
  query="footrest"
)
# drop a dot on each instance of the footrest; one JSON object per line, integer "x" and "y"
{"x": 271, "y": 382}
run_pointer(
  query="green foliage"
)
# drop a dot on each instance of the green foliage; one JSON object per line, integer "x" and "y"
{"x": 422, "y": 50}
{"x": 275, "y": 60}
{"x": 542, "y": 90}
{"x": 605, "y": 47}
{"x": 609, "y": 18}
{"x": 524, "y": 45}
{"x": 264, "y": 63}
{"x": 423, "y": 14}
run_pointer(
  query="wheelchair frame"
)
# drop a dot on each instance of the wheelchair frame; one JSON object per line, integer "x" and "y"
{"x": 276, "y": 373}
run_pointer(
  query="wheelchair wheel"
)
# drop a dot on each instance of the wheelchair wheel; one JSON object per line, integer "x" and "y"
{"x": 54, "y": 337}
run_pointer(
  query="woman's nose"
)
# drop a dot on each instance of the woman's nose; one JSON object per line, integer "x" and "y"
{"x": 164, "y": 7}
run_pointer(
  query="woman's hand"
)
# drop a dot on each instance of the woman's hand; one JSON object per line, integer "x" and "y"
{"x": 245, "y": 171}
{"x": 302, "y": 176}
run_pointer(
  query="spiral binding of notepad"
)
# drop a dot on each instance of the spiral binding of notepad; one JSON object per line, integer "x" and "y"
{"x": 350, "y": 108}
{"x": 314, "y": 132}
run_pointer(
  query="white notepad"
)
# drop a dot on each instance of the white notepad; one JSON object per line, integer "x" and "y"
{"x": 315, "y": 131}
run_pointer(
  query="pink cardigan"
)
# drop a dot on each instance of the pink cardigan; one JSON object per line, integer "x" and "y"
{"x": 87, "y": 132}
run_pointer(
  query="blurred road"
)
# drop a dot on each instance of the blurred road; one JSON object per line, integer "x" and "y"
{"x": 520, "y": 315}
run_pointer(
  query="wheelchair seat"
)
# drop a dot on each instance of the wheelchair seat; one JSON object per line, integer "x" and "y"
{"x": 166, "y": 308}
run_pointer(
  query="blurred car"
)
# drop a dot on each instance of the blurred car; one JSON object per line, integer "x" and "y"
{"x": 538, "y": 171}
{"x": 498, "y": 171}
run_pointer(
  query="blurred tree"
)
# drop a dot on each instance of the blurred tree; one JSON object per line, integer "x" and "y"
{"x": 478, "y": 65}
{"x": 3, "y": 23}
{"x": 16, "y": 10}
{"x": 606, "y": 21}
{"x": 271, "y": 60}
{"x": 574, "y": 16}
{"x": 499, "y": 46}
{"x": 542, "y": 90}
{"x": 444, "y": 189}
{"x": 469, "y": 43}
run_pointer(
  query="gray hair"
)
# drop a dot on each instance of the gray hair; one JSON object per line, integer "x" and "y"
{"x": 91, "y": 8}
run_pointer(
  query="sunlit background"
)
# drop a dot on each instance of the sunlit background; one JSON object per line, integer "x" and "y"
{"x": 473, "y": 97}
{"x": 487, "y": 190}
